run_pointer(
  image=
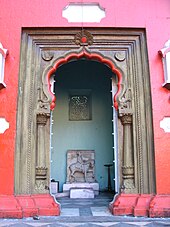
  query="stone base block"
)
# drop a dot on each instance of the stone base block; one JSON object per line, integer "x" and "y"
{"x": 46, "y": 205}
{"x": 81, "y": 193}
{"x": 124, "y": 204}
{"x": 10, "y": 208}
{"x": 94, "y": 186}
{"x": 142, "y": 206}
{"x": 160, "y": 206}
{"x": 28, "y": 205}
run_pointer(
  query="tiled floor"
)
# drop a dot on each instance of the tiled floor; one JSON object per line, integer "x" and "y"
{"x": 86, "y": 207}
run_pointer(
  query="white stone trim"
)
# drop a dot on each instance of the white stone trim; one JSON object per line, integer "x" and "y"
{"x": 165, "y": 124}
{"x": 4, "y": 125}
{"x": 3, "y": 54}
{"x": 165, "y": 53}
{"x": 84, "y": 12}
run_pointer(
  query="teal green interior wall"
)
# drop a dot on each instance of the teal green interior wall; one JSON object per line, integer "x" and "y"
{"x": 95, "y": 134}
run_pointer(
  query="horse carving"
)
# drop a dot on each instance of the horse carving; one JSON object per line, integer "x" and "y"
{"x": 83, "y": 166}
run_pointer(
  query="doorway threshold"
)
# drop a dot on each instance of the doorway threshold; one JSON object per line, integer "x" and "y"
{"x": 99, "y": 206}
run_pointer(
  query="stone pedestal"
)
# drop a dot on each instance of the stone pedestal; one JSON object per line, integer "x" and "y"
{"x": 81, "y": 181}
{"x": 83, "y": 193}
{"x": 92, "y": 186}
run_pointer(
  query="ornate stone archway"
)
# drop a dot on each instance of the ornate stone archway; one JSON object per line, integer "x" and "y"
{"x": 42, "y": 51}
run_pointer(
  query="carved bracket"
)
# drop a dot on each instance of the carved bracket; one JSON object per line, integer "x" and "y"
{"x": 125, "y": 104}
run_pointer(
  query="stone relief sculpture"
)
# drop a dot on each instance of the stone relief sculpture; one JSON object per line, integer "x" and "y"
{"x": 80, "y": 166}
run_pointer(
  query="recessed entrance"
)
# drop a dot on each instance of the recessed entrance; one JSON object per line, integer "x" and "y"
{"x": 44, "y": 51}
{"x": 83, "y": 118}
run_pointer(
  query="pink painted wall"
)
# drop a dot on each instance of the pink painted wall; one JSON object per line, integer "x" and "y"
{"x": 154, "y": 15}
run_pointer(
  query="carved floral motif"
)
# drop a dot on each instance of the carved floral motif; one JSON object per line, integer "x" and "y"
{"x": 83, "y": 38}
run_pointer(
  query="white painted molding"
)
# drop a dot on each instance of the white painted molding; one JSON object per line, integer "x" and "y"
{"x": 4, "y": 125}
{"x": 165, "y": 124}
{"x": 3, "y": 54}
{"x": 165, "y": 53}
{"x": 84, "y": 12}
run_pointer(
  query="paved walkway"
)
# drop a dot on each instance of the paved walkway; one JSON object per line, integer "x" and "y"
{"x": 86, "y": 213}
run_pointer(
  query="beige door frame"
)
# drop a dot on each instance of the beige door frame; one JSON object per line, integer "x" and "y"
{"x": 126, "y": 49}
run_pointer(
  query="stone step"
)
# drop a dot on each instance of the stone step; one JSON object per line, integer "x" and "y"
{"x": 94, "y": 186}
{"x": 81, "y": 193}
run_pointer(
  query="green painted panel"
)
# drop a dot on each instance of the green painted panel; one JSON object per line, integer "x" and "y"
{"x": 83, "y": 77}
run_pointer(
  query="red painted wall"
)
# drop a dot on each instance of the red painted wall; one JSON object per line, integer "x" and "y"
{"x": 154, "y": 15}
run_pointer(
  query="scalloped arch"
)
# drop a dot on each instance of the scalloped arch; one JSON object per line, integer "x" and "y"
{"x": 88, "y": 55}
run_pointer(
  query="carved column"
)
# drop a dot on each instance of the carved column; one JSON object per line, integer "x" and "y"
{"x": 41, "y": 169}
{"x": 125, "y": 115}
{"x": 128, "y": 162}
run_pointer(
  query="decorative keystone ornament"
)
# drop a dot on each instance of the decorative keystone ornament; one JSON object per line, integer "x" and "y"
{"x": 83, "y": 38}
{"x": 3, "y": 54}
{"x": 165, "y": 53}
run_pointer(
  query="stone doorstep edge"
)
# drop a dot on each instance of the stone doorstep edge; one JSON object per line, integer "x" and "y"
{"x": 147, "y": 205}
{"x": 28, "y": 206}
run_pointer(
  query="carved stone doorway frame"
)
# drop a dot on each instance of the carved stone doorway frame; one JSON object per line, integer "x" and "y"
{"x": 125, "y": 51}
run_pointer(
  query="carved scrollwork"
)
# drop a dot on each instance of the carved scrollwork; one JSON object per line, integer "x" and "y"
{"x": 43, "y": 103}
{"x": 125, "y": 103}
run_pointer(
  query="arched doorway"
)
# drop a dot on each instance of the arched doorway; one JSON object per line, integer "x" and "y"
{"x": 83, "y": 118}
{"x": 42, "y": 52}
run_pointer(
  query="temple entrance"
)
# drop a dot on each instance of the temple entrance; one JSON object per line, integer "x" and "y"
{"x": 121, "y": 56}
{"x": 83, "y": 121}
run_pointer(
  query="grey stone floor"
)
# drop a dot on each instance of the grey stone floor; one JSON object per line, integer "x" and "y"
{"x": 84, "y": 213}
